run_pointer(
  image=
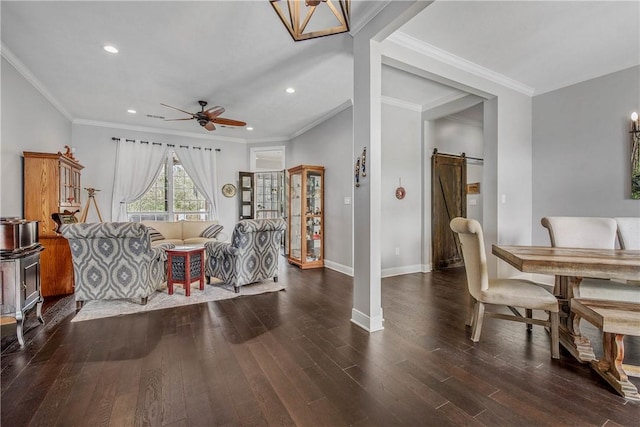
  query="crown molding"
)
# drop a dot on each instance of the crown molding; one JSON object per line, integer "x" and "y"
{"x": 28, "y": 76}
{"x": 370, "y": 13}
{"x": 157, "y": 130}
{"x": 405, "y": 40}
{"x": 339, "y": 109}
{"x": 401, "y": 104}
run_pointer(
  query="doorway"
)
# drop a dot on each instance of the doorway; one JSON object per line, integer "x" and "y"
{"x": 448, "y": 200}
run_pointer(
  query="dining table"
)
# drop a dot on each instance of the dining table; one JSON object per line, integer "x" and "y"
{"x": 570, "y": 266}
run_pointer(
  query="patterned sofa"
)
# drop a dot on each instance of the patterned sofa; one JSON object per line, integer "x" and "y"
{"x": 251, "y": 256}
{"x": 114, "y": 260}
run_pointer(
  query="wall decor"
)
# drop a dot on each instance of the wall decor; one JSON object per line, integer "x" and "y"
{"x": 473, "y": 188}
{"x": 364, "y": 161}
{"x": 635, "y": 156}
{"x": 357, "y": 172}
{"x": 229, "y": 190}
{"x": 400, "y": 191}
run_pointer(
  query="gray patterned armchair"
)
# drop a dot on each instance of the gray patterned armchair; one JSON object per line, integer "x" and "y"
{"x": 114, "y": 260}
{"x": 251, "y": 256}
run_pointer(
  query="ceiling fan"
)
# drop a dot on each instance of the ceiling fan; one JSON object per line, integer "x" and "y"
{"x": 208, "y": 118}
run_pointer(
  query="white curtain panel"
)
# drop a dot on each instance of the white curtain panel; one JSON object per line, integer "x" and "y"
{"x": 137, "y": 166}
{"x": 200, "y": 164}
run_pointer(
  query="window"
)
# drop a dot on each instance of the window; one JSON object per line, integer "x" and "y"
{"x": 172, "y": 197}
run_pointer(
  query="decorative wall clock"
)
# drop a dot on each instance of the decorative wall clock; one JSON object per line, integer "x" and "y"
{"x": 229, "y": 190}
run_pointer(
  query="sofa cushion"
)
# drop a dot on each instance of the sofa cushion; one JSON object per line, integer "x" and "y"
{"x": 154, "y": 235}
{"x": 211, "y": 231}
{"x": 195, "y": 228}
{"x": 169, "y": 229}
{"x": 196, "y": 241}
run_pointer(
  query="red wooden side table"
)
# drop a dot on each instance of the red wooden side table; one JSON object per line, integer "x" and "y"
{"x": 185, "y": 265}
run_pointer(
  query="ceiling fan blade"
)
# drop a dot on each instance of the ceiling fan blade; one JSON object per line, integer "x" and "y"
{"x": 228, "y": 122}
{"x": 214, "y": 112}
{"x": 170, "y": 120}
{"x": 210, "y": 126}
{"x": 186, "y": 112}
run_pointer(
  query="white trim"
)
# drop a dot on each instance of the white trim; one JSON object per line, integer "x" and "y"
{"x": 401, "y": 104}
{"x": 340, "y": 108}
{"x": 370, "y": 13}
{"x": 252, "y": 157}
{"x": 436, "y": 53}
{"x": 156, "y": 130}
{"x": 338, "y": 267}
{"x": 28, "y": 76}
{"x": 426, "y": 268}
{"x": 399, "y": 271}
{"x": 367, "y": 323}
{"x": 443, "y": 100}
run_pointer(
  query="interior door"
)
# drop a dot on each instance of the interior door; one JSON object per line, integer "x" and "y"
{"x": 448, "y": 200}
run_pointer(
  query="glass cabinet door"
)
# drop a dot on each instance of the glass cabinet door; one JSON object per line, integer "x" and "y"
{"x": 313, "y": 216}
{"x": 295, "y": 216}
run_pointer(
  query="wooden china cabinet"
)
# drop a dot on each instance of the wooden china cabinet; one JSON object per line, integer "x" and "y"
{"x": 52, "y": 184}
{"x": 306, "y": 216}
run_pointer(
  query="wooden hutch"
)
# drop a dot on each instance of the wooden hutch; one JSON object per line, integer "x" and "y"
{"x": 52, "y": 184}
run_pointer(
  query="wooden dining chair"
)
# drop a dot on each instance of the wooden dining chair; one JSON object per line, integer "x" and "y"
{"x": 500, "y": 292}
{"x": 591, "y": 233}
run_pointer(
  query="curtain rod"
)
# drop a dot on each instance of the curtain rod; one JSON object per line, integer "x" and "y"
{"x": 168, "y": 145}
{"x": 435, "y": 151}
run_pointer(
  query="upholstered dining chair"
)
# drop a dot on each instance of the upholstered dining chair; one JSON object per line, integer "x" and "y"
{"x": 251, "y": 256}
{"x": 591, "y": 233}
{"x": 501, "y": 292}
{"x": 114, "y": 260}
{"x": 629, "y": 232}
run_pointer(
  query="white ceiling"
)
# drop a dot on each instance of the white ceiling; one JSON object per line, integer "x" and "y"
{"x": 238, "y": 55}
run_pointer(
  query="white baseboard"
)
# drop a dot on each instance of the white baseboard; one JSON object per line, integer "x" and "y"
{"x": 405, "y": 269}
{"x": 366, "y": 322}
{"x": 339, "y": 267}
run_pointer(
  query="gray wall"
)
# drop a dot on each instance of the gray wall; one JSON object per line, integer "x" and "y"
{"x": 401, "y": 220}
{"x": 29, "y": 123}
{"x": 581, "y": 149}
{"x": 330, "y": 145}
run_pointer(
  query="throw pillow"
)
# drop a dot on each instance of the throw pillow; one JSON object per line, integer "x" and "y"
{"x": 154, "y": 234}
{"x": 211, "y": 231}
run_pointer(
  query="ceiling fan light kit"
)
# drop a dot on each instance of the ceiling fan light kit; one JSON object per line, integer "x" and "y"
{"x": 328, "y": 21}
{"x": 207, "y": 118}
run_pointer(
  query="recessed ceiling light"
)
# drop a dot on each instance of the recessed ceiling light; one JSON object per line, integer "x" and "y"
{"x": 290, "y": 90}
{"x": 110, "y": 49}
{"x": 131, "y": 111}
{"x": 249, "y": 128}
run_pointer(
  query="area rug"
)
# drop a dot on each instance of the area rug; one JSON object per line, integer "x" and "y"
{"x": 161, "y": 299}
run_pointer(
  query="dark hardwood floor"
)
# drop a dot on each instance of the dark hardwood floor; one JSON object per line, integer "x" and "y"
{"x": 294, "y": 358}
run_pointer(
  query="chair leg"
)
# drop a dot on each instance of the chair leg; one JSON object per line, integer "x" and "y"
{"x": 477, "y": 321}
{"x": 236, "y": 289}
{"x": 471, "y": 302}
{"x": 529, "y": 315}
{"x": 554, "y": 319}
{"x": 208, "y": 279}
{"x": 275, "y": 278}
{"x": 143, "y": 300}
{"x": 79, "y": 305}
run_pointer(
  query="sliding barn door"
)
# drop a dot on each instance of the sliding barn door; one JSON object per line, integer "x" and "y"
{"x": 448, "y": 200}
